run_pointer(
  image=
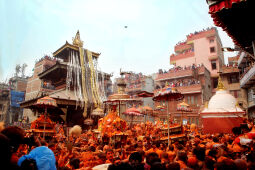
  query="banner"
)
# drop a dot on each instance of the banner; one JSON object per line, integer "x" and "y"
{"x": 16, "y": 98}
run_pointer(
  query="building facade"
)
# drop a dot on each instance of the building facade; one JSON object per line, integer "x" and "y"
{"x": 247, "y": 76}
{"x": 37, "y": 87}
{"x": 230, "y": 79}
{"x": 137, "y": 83}
{"x": 193, "y": 82}
{"x": 200, "y": 48}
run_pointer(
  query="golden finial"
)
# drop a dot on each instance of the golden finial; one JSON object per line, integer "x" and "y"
{"x": 206, "y": 104}
{"x": 237, "y": 104}
{"x": 77, "y": 40}
{"x": 220, "y": 84}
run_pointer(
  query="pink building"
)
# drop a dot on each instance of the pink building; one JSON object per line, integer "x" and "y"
{"x": 202, "y": 47}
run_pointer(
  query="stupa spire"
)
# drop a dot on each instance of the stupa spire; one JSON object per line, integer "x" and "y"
{"x": 77, "y": 40}
{"x": 220, "y": 84}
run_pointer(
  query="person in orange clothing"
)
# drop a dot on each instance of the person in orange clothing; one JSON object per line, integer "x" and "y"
{"x": 159, "y": 151}
{"x": 155, "y": 148}
{"x": 109, "y": 156}
{"x": 171, "y": 153}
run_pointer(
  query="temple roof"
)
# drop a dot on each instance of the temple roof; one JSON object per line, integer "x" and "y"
{"x": 77, "y": 43}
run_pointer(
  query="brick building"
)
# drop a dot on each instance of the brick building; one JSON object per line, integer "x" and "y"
{"x": 35, "y": 86}
{"x": 194, "y": 82}
{"x": 137, "y": 83}
{"x": 230, "y": 79}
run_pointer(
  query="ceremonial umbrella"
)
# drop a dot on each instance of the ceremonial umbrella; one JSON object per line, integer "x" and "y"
{"x": 147, "y": 109}
{"x": 132, "y": 112}
{"x": 183, "y": 107}
{"x": 98, "y": 112}
{"x": 145, "y": 94}
{"x": 45, "y": 102}
{"x": 168, "y": 94}
{"x": 88, "y": 121}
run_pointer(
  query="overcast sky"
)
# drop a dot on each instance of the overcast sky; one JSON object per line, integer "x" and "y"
{"x": 32, "y": 28}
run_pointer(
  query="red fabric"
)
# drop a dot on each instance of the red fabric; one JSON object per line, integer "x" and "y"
{"x": 220, "y": 125}
{"x": 226, "y": 4}
{"x": 215, "y": 11}
{"x": 237, "y": 140}
{"x": 251, "y": 135}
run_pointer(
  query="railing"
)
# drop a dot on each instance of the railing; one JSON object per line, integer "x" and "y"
{"x": 178, "y": 73}
{"x": 185, "y": 89}
{"x": 247, "y": 75}
{"x": 182, "y": 46}
{"x": 182, "y": 55}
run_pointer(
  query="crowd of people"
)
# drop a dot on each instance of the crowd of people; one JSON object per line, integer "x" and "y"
{"x": 179, "y": 68}
{"x": 141, "y": 151}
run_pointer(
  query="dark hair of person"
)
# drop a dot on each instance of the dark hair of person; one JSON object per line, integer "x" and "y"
{"x": 215, "y": 139}
{"x": 151, "y": 157}
{"x": 121, "y": 166}
{"x": 16, "y": 136}
{"x": 171, "y": 147}
{"x": 179, "y": 147}
{"x": 226, "y": 164}
{"x": 182, "y": 156}
{"x": 237, "y": 130}
{"x": 157, "y": 166}
{"x": 28, "y": 164}
{"x": 5, "y": 150}
{"x": 136, "y": 156}
{"x": 174, "y": 166}
{"x": 200, "y": 153}
{"x": 75, "y": 163}
{"x": 92, "y": 148}
{"x": 209, "y": 163}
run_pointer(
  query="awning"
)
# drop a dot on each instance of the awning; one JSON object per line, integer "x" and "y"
{"x": 232, "y": 17}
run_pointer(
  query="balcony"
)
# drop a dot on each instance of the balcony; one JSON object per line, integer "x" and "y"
{"x": 213, "y": 57}
{"x": 229, "y": 69}
{"x": 134, "y": 88}
{"x": 182, "y": 46}
{"x": 248, "y": 77}
{"x": 194, "y": 88}
{"x": 173, "y": 73}
{"x": 186, "y": 54}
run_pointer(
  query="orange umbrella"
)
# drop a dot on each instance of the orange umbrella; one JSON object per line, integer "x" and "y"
{"x": 45, "y": 102}
{"x": 147, "y": 108}
{"x": 132, "y": 112}
{"x": 183, "y": 107}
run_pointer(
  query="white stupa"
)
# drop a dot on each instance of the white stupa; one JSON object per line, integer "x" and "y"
{"x": 222, "y": 112}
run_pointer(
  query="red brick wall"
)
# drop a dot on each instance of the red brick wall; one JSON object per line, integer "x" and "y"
{"x": 21, "y": 86}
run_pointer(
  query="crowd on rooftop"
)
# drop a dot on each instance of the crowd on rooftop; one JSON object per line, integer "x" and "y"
{"x": 179, "y": 68}
{"x": 195, "y": 33}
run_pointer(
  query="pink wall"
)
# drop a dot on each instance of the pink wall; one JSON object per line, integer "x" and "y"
{"x": 202, "y": 52}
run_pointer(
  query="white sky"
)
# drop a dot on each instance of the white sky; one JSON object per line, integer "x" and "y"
{"x": 32, "y": 28}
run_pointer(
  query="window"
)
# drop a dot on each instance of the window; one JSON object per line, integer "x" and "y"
{"x": 211, "y": 40}
{"x": 236, "y": 93}
{"x": 212, "y": 49}
{"x": 215, "y": 82}
{"x": 192, "y": 100}
{"x": 214, "y": 64}
{"x": 233, "y": 79}
{"x": 188, "y": 99}
{"x": 196, "y": 98}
